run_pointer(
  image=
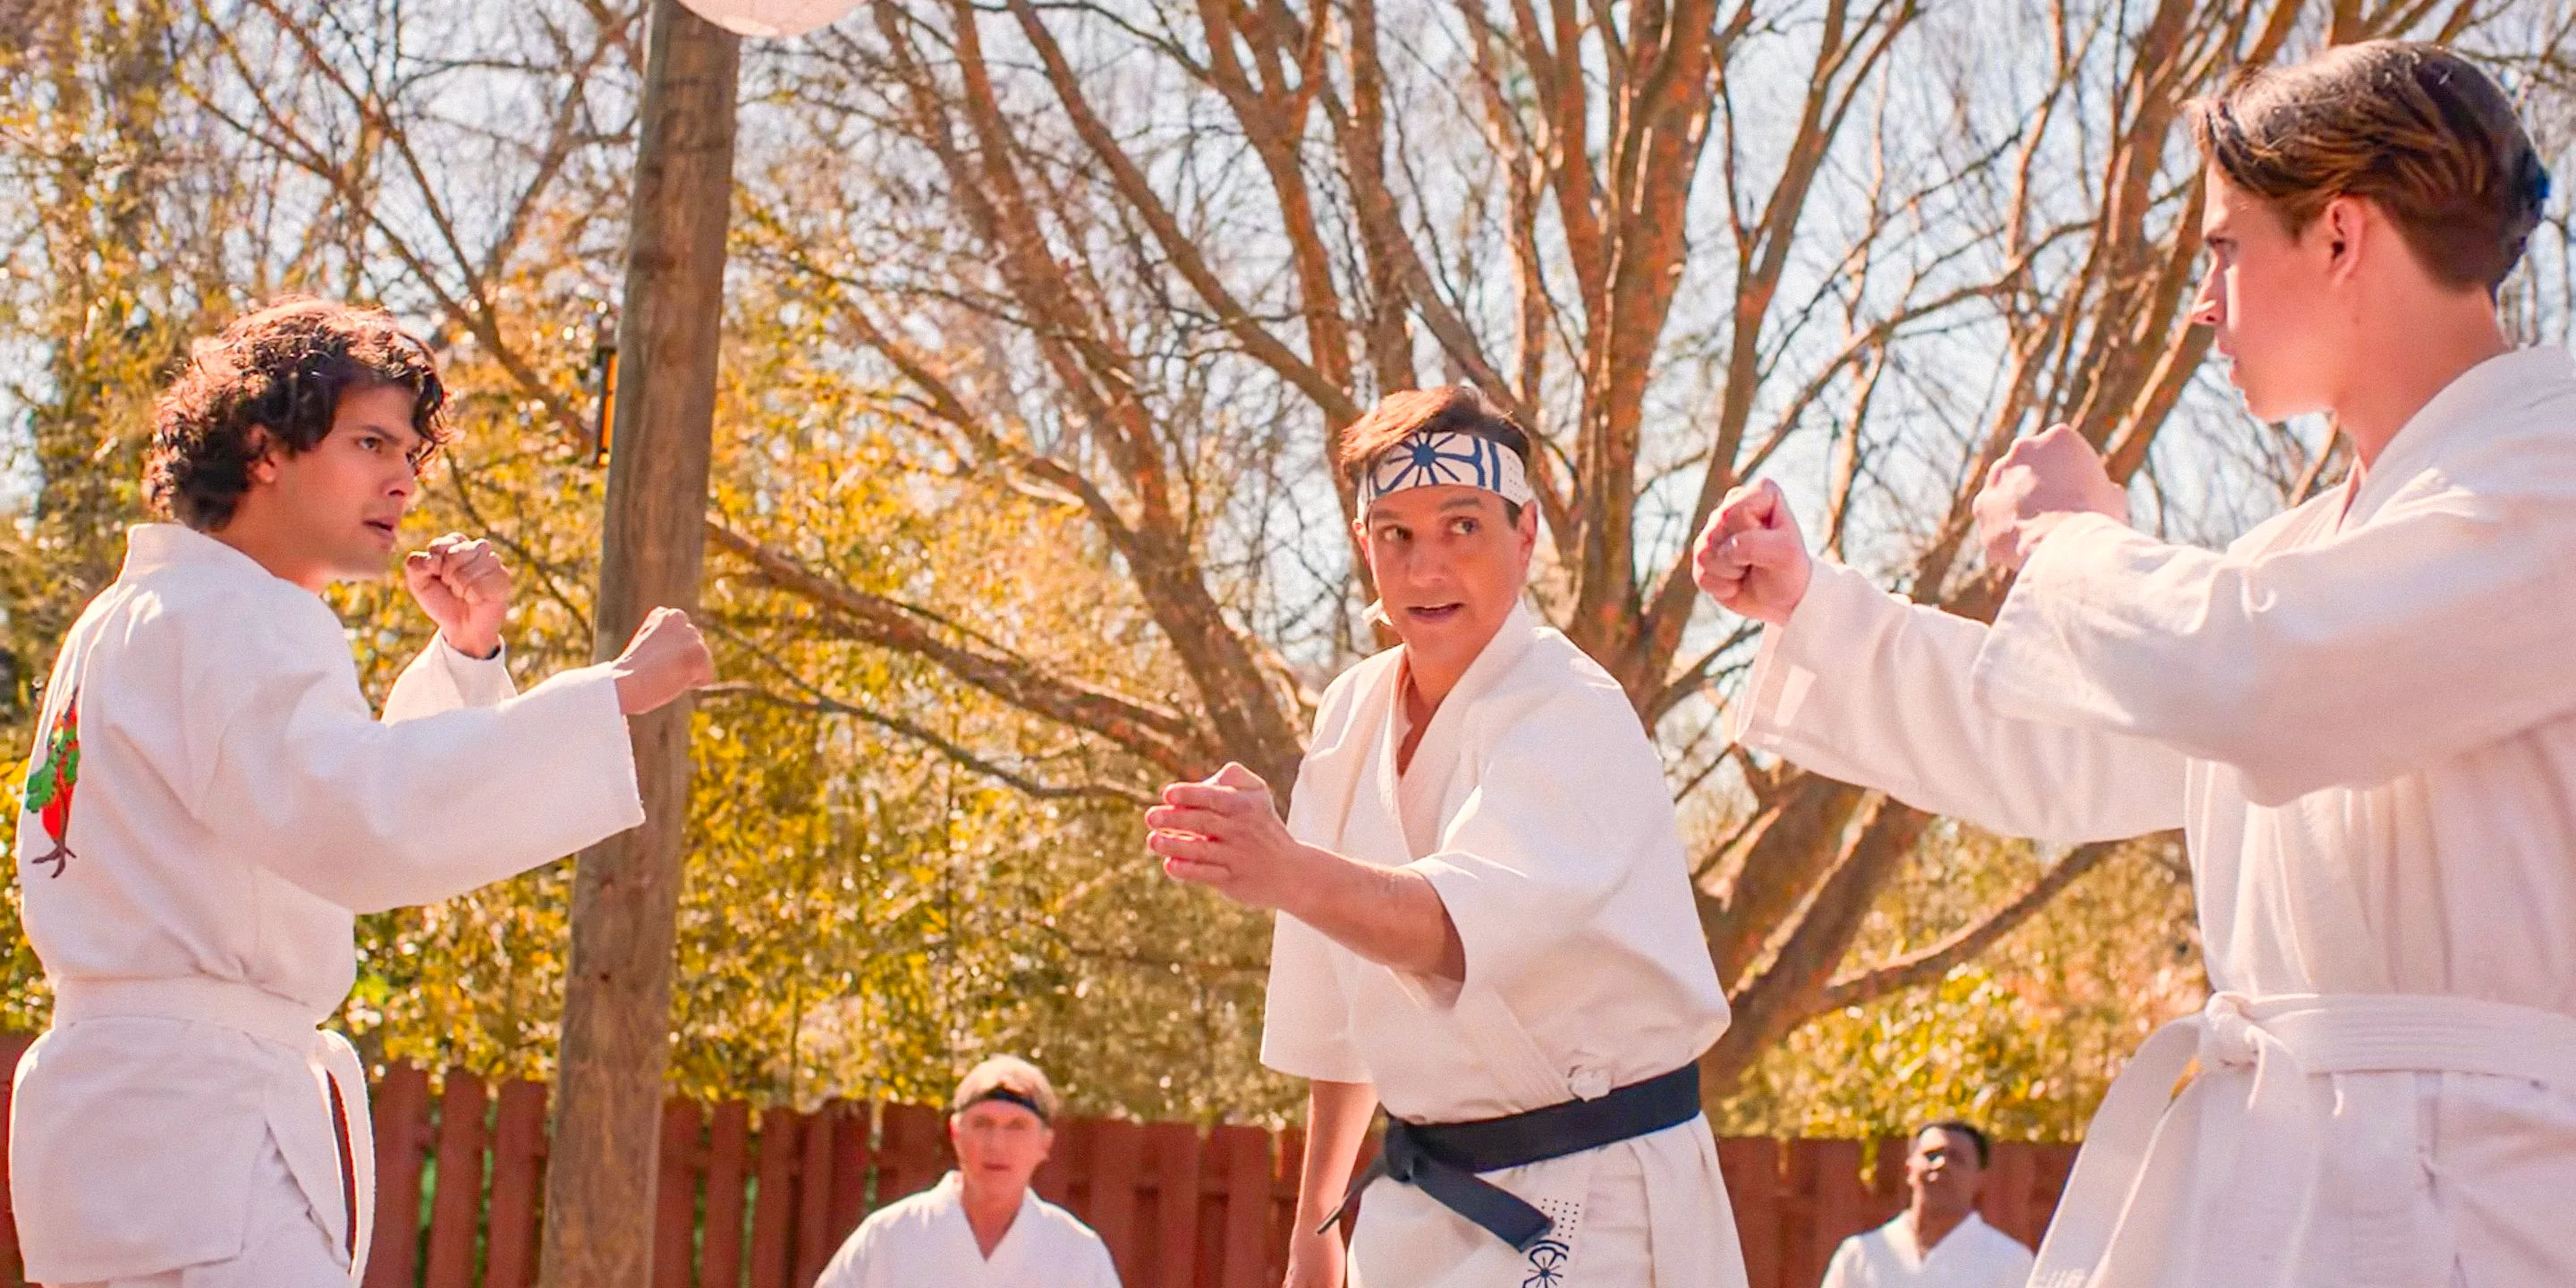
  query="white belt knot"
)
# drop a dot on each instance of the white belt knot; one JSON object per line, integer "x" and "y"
{"x": 2228, "y": 1032}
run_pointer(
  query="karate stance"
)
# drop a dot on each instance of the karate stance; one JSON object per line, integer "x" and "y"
{"x": 981, "y": 1226}
{"x": 2363, "y": 714}
{"x": 211, "y": 802}
{"x": 1485, "y": 918}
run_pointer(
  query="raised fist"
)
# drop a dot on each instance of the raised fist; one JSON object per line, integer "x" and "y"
{"x": 465, "y": 588}
{"x": 665, "y": 659}
{"x": 1751, "y": 558}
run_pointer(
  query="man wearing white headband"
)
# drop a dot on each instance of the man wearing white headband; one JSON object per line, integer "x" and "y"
{"x": 1486, "y": 922}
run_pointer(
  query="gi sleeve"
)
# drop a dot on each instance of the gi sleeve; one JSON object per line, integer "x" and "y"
{"x": 373, "y": 815}
{"x": 2441, "y": 624}
{"x": 442, "y": 679}
{"x": 1864, "y": 687}
{"x": 1306, "y": 1018}
{"x": 1569, "y": 802}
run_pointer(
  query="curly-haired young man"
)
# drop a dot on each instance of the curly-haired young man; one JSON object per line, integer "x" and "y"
{"x": 2362, "y": 714}
{"x": 211, "y": 802}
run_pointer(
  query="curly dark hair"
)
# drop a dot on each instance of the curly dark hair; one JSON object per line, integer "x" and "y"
{"x": 282, "y": 369}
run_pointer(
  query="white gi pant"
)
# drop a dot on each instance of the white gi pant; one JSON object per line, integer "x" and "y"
{"x": 287, "y": 1245}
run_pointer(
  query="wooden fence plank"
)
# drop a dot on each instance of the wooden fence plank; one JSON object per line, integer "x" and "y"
{"x": 457, "y": 1208}
{"x": 1752, "y": 1172}
{"x": 815, "y": 1238}
{"x": 728, "y": 1146}
{"x": 1064, "y": 1179}
{"x": 773, "y": 1211}
{"x": 1287, "y": 1170}
{"x": 401, "y": 1112}
{"x": 853, "y": 1159}
{"x": 1172, "y": 1151}
{"x": 1117, "y": 1167}
{"x": 2006, "y": 1202}
{"x": 2051, "y": 1168}
{"x": 1243, "y": 1155}
{"x": 518, "y": 1183}
{"x": 914, "y": 1152}
{"x": 675, "y": 1195}
{"x": 1887, "y": 1192}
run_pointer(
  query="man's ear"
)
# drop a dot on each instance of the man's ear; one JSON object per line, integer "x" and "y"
{"x": 2345, "y": 226}
{"x": 263, "y": 455}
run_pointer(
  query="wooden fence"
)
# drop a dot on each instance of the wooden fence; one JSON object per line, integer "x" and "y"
{"x": 762, "y": 1199}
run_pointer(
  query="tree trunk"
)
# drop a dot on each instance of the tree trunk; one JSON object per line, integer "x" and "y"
{"x": 617, "y": 991}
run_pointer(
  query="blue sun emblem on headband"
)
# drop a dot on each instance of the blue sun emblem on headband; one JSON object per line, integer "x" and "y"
{"x": 1427, "y": 460}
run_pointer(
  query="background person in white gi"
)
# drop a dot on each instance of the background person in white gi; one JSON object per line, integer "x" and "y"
{"x": 1938, "y": 1241}
{"x": 2363, "y": 714}
{"x": 211, "y": 802}
{"x": 982, "y": 1224}
{"x": 1485, "y": 915}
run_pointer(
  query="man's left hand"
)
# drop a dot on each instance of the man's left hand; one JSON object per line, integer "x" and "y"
{"x": 1226, "y": 834}
{"x": 465, "y": 588}
{"x": 2041, "y": 482}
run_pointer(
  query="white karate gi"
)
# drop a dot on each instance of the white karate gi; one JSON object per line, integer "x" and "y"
{"x": 1972, "y": 1255}
{"x": 924, "y": 1240}
{"x": 236, "y": 803}
{"x": 1538, "y": 810}
{"x": 2364, "y": 715}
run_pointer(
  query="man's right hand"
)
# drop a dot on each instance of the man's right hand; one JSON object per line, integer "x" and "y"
{"x": 664, "y": 660}
{"x": 1751, "y": 558}
{"x": 1315, "y": 1260}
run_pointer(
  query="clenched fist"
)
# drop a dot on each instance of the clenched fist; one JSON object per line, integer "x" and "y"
{"x": 665, "y": 659}
{"x": 1225, "y": 834}
{"x": 2040, "y": 482}
{"x": 1751, "y": 558}
{"x": 465, "y": 588}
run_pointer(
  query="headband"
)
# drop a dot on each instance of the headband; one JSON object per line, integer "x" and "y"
{"x": 1010, "y": 1097}
{"x": 1431, "y": 458}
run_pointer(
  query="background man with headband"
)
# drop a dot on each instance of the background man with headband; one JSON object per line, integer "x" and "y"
{"x": 1485, "y": 917}
{"x": 980, "y": 1225}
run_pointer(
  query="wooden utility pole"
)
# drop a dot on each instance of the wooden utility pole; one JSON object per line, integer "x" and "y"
{"x": 617, "y": 992}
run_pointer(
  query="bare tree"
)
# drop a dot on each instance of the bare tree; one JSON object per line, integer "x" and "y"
{"x": 1143, "y": 259}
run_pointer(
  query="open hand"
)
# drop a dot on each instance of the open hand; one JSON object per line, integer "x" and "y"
{"x": 1225, "y": 833}
{"x": 1314, "y": 1260}
{"x": 665, "y": 659}
{"x": 1751, "y": 558}
{"x": 465, "y": 588}
{"x": 2041, "y": 481}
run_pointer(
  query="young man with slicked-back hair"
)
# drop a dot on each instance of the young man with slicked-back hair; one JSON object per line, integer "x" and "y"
{"x": 211, "y": 803}
{"x": 2363, "y": 714}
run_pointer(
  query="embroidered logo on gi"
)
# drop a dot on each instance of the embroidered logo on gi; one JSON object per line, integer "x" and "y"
{"x": 49, "y": 788}
{"x": 1546, "y": 1264}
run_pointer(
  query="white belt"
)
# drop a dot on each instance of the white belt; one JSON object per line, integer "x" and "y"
{"x": 311, "y": 1142}
{"x": 2317, "y": 1035}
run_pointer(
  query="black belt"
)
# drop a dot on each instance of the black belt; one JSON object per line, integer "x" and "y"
{"x": 1443, "y": 1158}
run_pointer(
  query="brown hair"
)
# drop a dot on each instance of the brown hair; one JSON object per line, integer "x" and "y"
{"x": 282, "y": 369}
{"x": 2415, "y": 128}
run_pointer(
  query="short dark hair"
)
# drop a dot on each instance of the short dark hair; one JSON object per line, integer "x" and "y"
{"x": 1441, "y": 409}
{"x": 282, "y": 369}
{"x": 1985, "y": 1148}
{"x": 2415, "y": 128}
